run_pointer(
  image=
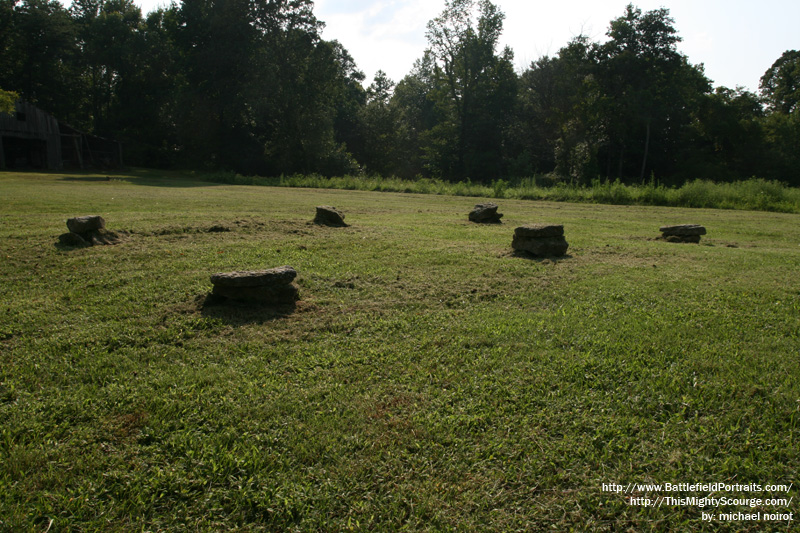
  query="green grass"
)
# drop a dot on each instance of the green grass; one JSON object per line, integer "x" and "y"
{"x": 428, "y": 380}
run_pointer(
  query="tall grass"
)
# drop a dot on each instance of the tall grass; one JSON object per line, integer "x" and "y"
{"x": 753, "y": 194}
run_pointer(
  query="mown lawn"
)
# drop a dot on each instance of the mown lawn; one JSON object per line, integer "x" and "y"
{"x": 428, "y": 379}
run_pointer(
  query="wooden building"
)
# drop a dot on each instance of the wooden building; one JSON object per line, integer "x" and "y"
{"x": 81, "y": 150}
{"x": 33, "y": 139}
{"x": 29, "y": 138}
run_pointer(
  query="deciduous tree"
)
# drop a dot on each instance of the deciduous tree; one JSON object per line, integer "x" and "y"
{"x": 780, "y": 85}
{"x": 474, "y": 93}
{"x": 650, "y": 89}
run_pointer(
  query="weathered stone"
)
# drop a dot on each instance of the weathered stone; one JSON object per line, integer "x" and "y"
{"x": 88, "y": 231}
{"x": 682, "y": 233}
{"x": 278, "y": 276}
{"x": 329, "y": 216}
{"x": 682, "y": 230}
{"x": 86, "y": 223}
{"x": 272, "y": 287}
{"x": 539, "y": 230}
{"x": 485, "y": 214}
{"x": 541, "y": 246}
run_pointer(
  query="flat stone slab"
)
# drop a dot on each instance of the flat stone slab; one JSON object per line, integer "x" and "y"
{"x": 485, "y": 214}
{"x": 85, "y": 224}
{"x": 540, "y": 230}
{"x": 682, "y": 230}
{"x": 329, "y": 216}
{"x": 272, "y": 286}
{"x": 279, "y": 276}
{"x": 543, "y": 240}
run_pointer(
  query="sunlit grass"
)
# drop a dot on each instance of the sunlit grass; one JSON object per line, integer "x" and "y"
{"x": 428, "y": 380}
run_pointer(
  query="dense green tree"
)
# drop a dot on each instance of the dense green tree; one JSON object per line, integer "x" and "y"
{"x": 348, "y": 99}
{"x": 535, "y": 128}
{"x": 294, "y": 95}
{"x": 564, "y": 95}
{"x": 782, "y": 132}
{"x": 216, "y": 40}
{"x": 780, "y": 85}
{"x": 40, "y": 55}
{"x": 650, "y": 90}
{"x": 145, "y": 117}
{"x": 726, "y": 140}
{"x": 109, "y": 34}
{"x": 474, "y": 92}
{"x": 625, "y": 108}
{"x": 379, "y": 122}
{"x": 7, "y": 42}
{"x": 262, "y": 92}
{"x": 556, "y": 125}
{"x": 415, "y": 113}
{"x": 303, "y": 81}
{"x": 250, "y": 85}
{"x": 333, "y": 94}
{"x": 306, "y": 93}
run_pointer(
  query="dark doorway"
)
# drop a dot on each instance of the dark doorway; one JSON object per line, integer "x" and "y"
{"x": 21, "y": 153}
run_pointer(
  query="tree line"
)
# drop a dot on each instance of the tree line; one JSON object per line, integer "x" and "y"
{"x": 251, "y": 86}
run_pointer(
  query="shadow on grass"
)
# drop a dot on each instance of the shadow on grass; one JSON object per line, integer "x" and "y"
{"x": 538, "y": 258}
{"x": 88, "y": 178}
{"x": 61, "y": 247}
{"x": 235, "y": 313}
{"x": 70, "y": 241}
{"x": 145, "y": 177}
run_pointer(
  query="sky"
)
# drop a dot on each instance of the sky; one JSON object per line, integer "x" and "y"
{"x": 736, "y": 41}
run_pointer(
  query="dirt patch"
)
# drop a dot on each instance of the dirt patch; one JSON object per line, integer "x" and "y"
{"x": 125, "y": 427}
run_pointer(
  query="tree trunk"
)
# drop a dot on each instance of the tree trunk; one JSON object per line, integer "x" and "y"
{"x": 646, "y": 149}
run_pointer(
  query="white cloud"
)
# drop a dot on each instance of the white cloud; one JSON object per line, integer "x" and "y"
{"x": 386, "y": 35}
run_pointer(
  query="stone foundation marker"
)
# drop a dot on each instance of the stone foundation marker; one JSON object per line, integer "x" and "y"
{"x": 269, "y": 287}
{"x": 542, "y": 240}
{"x": 485, "y": 214}
{"x": 329, "y": 216}
{"x": 88, "y": 230}
{"x": 682, "y": 233}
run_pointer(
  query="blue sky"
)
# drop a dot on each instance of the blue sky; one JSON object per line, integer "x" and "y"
{"x": 736, "y": 41}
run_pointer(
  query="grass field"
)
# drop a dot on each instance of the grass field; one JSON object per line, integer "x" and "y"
{"x": 427, "y": 380}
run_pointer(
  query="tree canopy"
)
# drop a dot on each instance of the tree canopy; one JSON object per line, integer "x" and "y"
{"x": 780, "y": 85}
{"x": 251, "y": 86}
{"x": 473, "y": 91}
